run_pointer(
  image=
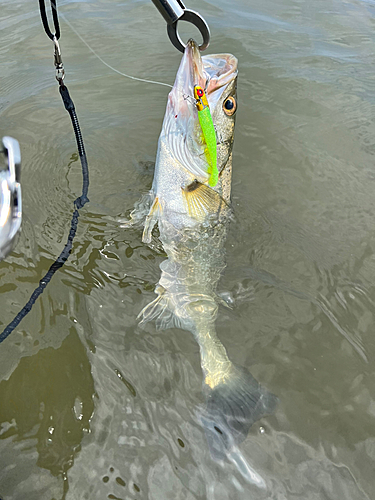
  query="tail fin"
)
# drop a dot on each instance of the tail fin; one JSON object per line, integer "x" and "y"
{"x": 231, "y": 409}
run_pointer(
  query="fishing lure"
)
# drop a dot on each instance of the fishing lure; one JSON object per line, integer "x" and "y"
{"x": 209, "y": 134}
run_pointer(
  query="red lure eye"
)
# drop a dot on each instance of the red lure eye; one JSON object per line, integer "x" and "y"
{"x": 200, "y": 92}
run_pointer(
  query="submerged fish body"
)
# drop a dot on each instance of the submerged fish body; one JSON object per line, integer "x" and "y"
{"x": 192, "y": 217}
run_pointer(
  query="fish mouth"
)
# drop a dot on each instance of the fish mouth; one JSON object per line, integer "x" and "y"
{"x": 213, "y": 73}
{"x": 181, "y": 128}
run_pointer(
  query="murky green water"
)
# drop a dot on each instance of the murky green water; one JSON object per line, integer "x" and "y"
{"x": 93, "y": 407}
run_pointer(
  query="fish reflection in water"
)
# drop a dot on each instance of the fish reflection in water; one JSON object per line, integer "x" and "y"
{"x": 192, "y": 217}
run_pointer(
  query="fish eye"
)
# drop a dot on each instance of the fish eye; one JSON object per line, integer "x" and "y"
{"x": 229, "y": 106}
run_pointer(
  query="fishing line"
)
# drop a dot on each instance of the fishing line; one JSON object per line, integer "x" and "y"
{"x": 108, "y": 65}
{"x": 187, "y": 97}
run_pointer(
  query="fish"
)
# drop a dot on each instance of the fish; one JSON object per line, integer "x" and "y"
{"x": 192, "y": 216}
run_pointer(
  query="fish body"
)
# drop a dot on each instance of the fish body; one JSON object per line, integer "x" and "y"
{"x": 192, "y": 218}
{"x": 192, "y": 215}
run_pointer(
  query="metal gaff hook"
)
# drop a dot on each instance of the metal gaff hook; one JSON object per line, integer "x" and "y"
{"x": 174, "y": 11}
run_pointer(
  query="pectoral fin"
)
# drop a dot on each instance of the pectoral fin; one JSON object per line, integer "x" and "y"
{"x": 201, "y": 201}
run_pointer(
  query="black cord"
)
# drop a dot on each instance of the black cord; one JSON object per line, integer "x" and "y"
{"x": 78, "y": 203}
{"x": 69, "y": 106}
{"x": 43, "y": 15}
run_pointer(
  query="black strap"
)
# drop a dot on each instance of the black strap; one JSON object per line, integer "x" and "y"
{"x": 69, "y": 106}
{"x": 79, "y": 203}
{"x": 43, "y": 15}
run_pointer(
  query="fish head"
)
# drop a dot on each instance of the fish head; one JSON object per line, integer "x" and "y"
{"x": 217, "y": 75}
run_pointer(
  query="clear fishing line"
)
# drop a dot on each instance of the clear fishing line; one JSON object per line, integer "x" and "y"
{"x": 108, "y": 65}
{"x": 187, "y": 97}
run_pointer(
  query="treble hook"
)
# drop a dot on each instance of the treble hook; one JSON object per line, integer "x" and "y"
{"x": 174, "y": 11}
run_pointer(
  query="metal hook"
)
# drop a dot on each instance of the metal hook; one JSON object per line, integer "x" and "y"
{"x": 198, "y": 21}
{"x": 60, "y": 71}
{"x": 174, "y": 11}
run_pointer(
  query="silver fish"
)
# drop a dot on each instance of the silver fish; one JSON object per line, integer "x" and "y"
{"x": 192, "y": 219}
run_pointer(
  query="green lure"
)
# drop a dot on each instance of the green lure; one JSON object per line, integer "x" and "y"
{"x": 209, "y": 134}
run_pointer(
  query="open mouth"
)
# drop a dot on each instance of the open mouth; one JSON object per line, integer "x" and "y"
{"x": 181, "y": 126}
{"x": 211, "y": 72}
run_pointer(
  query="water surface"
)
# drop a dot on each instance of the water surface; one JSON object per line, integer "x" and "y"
{"x": 93, "y": 407}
